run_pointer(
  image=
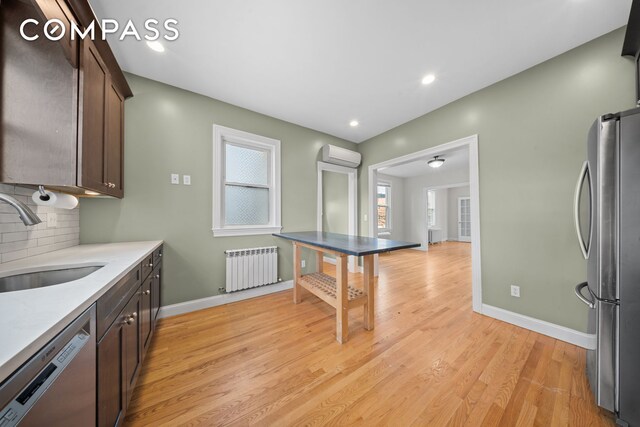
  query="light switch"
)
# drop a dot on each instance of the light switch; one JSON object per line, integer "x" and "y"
{"x": 186, "y": 179}
{"x": 175, "y": 178}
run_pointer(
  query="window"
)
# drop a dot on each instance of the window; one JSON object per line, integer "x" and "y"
{"x": 246, "y": 183}
{"x": 431, "y": 208}
{"x": 384, "y": 206}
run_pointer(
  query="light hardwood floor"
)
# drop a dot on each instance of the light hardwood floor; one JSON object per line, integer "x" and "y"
{"x": 429, "y": 361}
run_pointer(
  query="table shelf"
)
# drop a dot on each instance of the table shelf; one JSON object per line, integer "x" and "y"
{"x": 324, "y": 287}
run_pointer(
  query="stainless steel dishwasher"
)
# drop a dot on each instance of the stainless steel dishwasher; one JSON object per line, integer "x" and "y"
{"x": 57, "y": 386}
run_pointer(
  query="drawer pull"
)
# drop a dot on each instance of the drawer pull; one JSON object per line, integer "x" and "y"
{"x": 129, "y": 320}
{"x": 150, "y": 265}
{"x": 157, "y": 276}
{"x": 147, "y": 292}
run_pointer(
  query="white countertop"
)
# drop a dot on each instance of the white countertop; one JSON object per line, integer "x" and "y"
{"x": 31, "y": 318}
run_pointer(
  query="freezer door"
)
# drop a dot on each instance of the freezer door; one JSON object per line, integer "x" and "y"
{"x": 601, "y": 362}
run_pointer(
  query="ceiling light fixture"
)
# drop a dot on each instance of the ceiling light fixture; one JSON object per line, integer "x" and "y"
{"x": 436, "y": 162}
{"x": 353, "y": 123}
{"x": 428, "y": 79}
{"x": 156, "y": 46}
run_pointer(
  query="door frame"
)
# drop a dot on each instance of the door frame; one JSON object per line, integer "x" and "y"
{"x": 460, "y": 199}
{"x": 471, "y": 142}
{"x": 424, "y": 193}
{"x": 352, "y": 175}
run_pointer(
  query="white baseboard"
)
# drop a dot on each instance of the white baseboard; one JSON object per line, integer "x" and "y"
{"x": 328, "y": 260}
{"x": 200, "y": 304}
{"x": 562, "y": 333}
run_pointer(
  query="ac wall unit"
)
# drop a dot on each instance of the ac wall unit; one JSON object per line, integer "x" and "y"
{"x": 341, "y": 156}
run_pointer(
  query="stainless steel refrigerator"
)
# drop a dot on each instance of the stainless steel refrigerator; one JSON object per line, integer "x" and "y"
{"x": 607, "y": 217}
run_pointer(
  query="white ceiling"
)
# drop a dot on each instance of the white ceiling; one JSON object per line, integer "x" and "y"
{"x": 322, "y": 63}
{"x": 454, "y": 159}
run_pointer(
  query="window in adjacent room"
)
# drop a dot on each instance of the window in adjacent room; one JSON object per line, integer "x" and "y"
{"x": 431, "y": 208}
{"x": 246, "y": 183}
{"x": 384, "y": 206}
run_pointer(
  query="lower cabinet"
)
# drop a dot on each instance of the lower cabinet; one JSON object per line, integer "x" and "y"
{"x": 123, "y": 346}
{"x": 146, "y": 321}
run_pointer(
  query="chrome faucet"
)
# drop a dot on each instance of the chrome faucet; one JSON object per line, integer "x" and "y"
{"x": 26, "y": 215}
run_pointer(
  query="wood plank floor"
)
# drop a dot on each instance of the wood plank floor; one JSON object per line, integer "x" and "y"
{"x": 430, "y": 361}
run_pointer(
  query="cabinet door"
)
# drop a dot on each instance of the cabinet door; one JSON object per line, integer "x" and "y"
{"x": 132, "y": 354}
{"x": 156, "y": 285}
{"x": 114, "y": 141}
{"x": 145, "y": 311}
{"x": 58, "y": 9}
{"x": 111, "y": 384}
{"x": 91, "y": 135}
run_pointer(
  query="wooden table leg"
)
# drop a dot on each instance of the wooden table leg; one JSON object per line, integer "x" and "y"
{"x": 369, "y": 312}
{"x": 297, "y": 289}
{"x": 342, "y": 300}
{"x": 319, "y": 261}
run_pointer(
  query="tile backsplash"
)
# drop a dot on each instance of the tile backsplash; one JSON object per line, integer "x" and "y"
{"x": 18, "y": 241}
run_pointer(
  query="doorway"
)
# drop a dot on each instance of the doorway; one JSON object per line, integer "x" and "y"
{"x": 472, "y": 225}
{"x": 337, "y": 203}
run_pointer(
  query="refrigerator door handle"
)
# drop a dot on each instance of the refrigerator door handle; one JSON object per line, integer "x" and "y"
{"x": 579, "y": 294}
{"x": 576, "y": 209}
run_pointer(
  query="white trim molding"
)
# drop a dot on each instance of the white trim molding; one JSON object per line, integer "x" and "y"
{"x": 552, "y": 330}
{"x": 223, "y": 136}
{"x": 474, "y": 186}
{"x": 216, "y": 300}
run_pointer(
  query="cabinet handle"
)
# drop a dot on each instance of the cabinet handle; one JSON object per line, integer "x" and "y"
{"x": 147, "y": 292}
{"x": 160, "y": 254}
{"x": 106, "y": 184}
{"x": 128, "y": 320}
{"x": 112, "y": 185}
{"x": 134, "y": 315}
{"x": 157, "y": 276}
{"x": 150, "y": 265}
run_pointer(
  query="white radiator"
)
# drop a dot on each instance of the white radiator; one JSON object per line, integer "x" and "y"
{"x": 248, "y": 268}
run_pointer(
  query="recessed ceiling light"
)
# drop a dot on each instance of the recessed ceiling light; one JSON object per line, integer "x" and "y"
{"x": 428, "y": 79}
{"x": 155, "y": 45}
{"x": 353, "y": 123}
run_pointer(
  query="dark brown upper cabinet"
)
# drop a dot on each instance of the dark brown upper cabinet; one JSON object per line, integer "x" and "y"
{"x": 62, "y": 110}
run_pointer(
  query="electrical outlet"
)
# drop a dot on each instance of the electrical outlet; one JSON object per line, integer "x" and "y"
{"x": 303, "y": 263}
{"x": 52, "y": 219}
{"x": 515, "y": 291}
{"x": 186, "y": 179}
{"x": 175, "y": 179}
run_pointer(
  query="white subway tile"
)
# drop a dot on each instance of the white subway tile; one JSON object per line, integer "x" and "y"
{"x": 12, "y": 256}
{"x": 46, "y": 241}
{"x": 14, "y": 237}
{"x": 7, "y": 189}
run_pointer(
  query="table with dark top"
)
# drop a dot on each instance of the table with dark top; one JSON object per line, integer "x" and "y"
{"x": 336, "y": 291}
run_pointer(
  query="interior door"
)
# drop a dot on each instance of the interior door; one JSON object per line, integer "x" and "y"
{"x": 464, "y": 219}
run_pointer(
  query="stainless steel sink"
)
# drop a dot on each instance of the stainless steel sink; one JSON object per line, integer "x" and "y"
{"x": 40, "y": 279}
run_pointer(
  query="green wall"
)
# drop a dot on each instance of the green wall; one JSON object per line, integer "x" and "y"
{"x": 532, "y": 141}
{"x": 169, "y": 130}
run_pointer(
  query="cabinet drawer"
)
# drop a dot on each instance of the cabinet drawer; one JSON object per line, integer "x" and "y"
{"x": 147, "y": 266}
{"x": 112, "y": 303}
{"x": 157, "y": 255}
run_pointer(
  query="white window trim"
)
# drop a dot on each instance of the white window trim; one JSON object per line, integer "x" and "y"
{"x": 384, "y": 183}
{"x": 220, "y": 134}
